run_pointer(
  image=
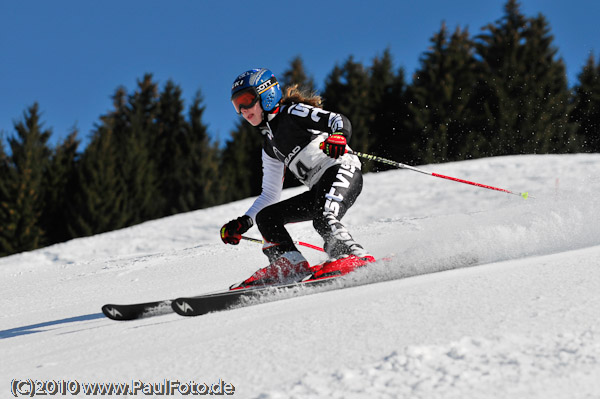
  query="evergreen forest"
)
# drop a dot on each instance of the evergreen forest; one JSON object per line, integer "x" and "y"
{"x": 503, "y": 91}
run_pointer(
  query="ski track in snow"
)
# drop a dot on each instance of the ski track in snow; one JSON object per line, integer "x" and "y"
{"x": 484, "y": 295}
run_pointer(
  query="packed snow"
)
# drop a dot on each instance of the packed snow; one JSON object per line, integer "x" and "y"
{"x": 484, "y": 295}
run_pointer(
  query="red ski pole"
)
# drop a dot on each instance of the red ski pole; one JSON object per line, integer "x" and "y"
{"x": 403, "y": 166}
{"x": 304, "y": 244}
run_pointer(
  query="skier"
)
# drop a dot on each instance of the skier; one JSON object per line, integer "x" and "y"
{"x": 311, "y": 142}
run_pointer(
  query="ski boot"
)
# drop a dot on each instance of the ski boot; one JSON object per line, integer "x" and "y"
{"x": 342, "y": 266}
{"x": 288, "y": 268}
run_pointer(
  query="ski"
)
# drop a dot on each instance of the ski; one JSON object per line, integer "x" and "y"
{"x": 322, "y": 274}
{"x": 136, "y": 310}
{"x": 203, "y": 304}
{"x": 213, "y": 302}
{"x": 198, "y": 305}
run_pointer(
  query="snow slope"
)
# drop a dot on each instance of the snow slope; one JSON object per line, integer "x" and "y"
{"x": 487, "y": 295}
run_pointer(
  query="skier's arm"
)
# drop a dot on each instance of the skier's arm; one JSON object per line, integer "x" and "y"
{"x": 272, "y": 185}
{"x": 317, "y": 119}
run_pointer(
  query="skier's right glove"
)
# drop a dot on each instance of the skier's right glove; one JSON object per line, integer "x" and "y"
{"x": 231, "y": 233}
{"x": 334, "y": 145}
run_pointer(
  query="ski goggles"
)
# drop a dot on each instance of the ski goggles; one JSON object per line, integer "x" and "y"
{"x": 244, "y": 99}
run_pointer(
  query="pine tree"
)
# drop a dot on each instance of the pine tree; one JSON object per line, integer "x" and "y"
{"x": 439, "y": 98}
{"x": 586, "y": 110}
{"x": 388, "y": 110}
{"x": 347, "y": 91}
{"x": 145, "y": 161}
{"x": 136, "y": 154}
{"x": 6, "y": 212}
{"x": 169, "y": 150}
{"x": 523, "y": 91}
{"x": 187, "y": 162}
{"x": 200, "y": 163}
{"x": 99, "y": 203}
{"x": 296, "y": 74}
{"x": 59, "y": 181}
{"x": 241, "y": 163}
{"x": 22, "y": 192}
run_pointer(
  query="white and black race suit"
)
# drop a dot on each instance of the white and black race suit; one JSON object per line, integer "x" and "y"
{"x": 292, "y": 137}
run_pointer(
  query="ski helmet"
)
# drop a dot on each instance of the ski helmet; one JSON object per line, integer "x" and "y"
{"x": 260, "y": 84}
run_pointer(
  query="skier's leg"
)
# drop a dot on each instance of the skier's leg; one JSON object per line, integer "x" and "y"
{"x": 286, "y": 263}
{"x": 271, "y": 222}
{"x": 338, "y": 189}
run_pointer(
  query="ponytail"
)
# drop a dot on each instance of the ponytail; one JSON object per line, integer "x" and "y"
{"x": 293, "y": 95}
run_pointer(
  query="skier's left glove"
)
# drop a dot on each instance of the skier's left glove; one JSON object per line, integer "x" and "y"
{"x": 231, "y": 232}
{"x": 335, "y": 145}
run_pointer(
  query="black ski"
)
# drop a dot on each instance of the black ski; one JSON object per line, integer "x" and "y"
{"x": 136, "y": 310}
{"x": 199, "y": 305}
{"x": 213, "y": 302}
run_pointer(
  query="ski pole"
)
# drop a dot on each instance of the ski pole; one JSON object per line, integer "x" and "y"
{"x": 304, "y": 244}
{"x": 403, "y": 166}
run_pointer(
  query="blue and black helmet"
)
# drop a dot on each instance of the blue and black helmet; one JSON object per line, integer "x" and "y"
{"x": 262, "y": 83}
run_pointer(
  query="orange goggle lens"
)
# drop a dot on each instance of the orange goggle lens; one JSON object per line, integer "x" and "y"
{"x": 245, "y": 99}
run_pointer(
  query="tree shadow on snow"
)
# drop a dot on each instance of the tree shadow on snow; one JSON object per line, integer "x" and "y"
{"x": 34, "y": 328}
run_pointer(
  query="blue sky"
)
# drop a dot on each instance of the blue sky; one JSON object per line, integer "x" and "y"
{"x": 71, "y": 55}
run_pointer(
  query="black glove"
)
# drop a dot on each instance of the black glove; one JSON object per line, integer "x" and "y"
{"x": 231, "y": 233}
{"x": 335, "y": 145}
